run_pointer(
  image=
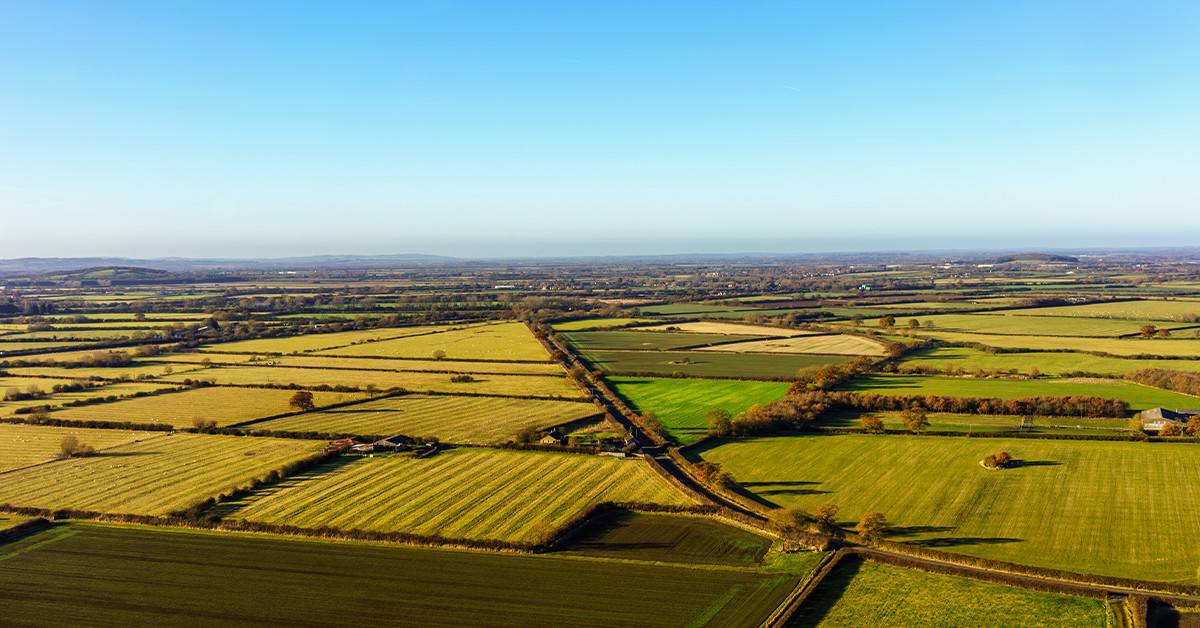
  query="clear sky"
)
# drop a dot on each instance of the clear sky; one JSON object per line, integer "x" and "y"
{"x": 494, "y": 128}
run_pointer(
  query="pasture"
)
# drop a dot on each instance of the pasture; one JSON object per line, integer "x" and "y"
{"x": 1146, "y": 309}
{"x": 25, "y": 445}
{"x": 641, "y": 340}
{"x": 987, "y": 423}
{"x": 412, "y": 364}
{"x": 1002, "y": 324}
{"x": 1087, "y": 506}
{"x": 864, "y": 593}
{"x": 212, "y": 403}
{"x": 134, "y": 370}
{"x": 473, "y": 420}
{"x": 530, "y": 385}
{"x": 152, "y": 476}
{"x": 497, "y": 341}
{"x": 681, "y": 404}
{"x": 1048, "y": 363}
{"x": 735, "y": 329}
{"x": 168, "y": 577}
{"x": 315, "y": 342}
{"x": 1138, "y": 396}
{"x": 779, "y": 366}
{"x": 462, "y": 493}
{"x": 831, "y": 344}
{"x": 1183, "y": 344}
{"x": 670, "y": 538}
{"x": 118, "y": 389}
{"x": 597, "y": 323}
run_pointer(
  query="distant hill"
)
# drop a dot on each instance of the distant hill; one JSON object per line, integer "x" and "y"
{"x": 46, "y": 266}
{"x": 1035, "y": 257}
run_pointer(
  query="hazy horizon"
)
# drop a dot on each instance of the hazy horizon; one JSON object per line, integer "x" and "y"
{"x": 541, "y": 129}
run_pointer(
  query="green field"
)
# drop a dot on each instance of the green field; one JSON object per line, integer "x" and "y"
{"x": 833, "y": 344}
{"x": 462, "y": 493}
{"x": 1138, "y": 396}
{"x": 708, "y": 363}
{"x": 1088, "y": 506}
{"x": 153, "y": 476}
{"x": 1183, "y": 344}
{"x": 1137, "y": 310}
{"x": 1048, "y": 363}
{"x": 670, "y": 538}
{"x": 859, "y": 593}
{"x": 317, "y": 342}
{"x": 598, "y": 323}
{"x": 642, "y": 340}
{"x": 498, "y": 341}
{"x": 688, "y": 308}
{"x": 88, "y": 574}
{"x": 24, "y": 445}
{"x": 118, "y": 389}
{"x": 986, "y": 423}
{"x": 476, "y": 420}
{"x": 215, "y": 403}
{"x": 681, "y": 404}
{"x": 531, "y": 385}
{"x": 1000, "y": 323}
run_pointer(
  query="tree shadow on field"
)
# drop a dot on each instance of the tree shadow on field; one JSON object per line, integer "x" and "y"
{"x": 121, "y": 454}
{"x": 827, "y": 594}
{"x": 1017, "y": 464}
{"x": 915, "y": 530}
{"x": 954, "y": 541}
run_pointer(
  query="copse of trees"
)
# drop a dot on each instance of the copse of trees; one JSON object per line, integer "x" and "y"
{"x": 70, "y": 447}
{"x": 1179, "y": 381}
{"x": 780, "y": 415}
{"x": 998, "y": 460}
{"x": 829, "y": 376}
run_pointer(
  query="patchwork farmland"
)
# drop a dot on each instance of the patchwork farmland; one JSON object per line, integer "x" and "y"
{"x": 644, "y": 442}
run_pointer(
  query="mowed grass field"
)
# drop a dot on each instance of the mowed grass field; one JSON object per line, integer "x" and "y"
{"x": 1184, "y": 344}
{"x": 708, "y": 363}
{"x": 134, "y": 370}
{"x": 153, "y": 476}
{"x": 736, "y": 329}
{"x": 1148, "y": 309}
{"x": 836, "y": 344}
{"x": 462, "y": 493}
{"x": 532, "y": 385}
{"x": 642, "y": 340}
{"x": 671, "y": 538}
{"x": 1138, "y": 396}
{"x": 987, "y": 423}
{"x": 453, "y": 419}
{"x": 118, "y": 389}
{"x": 1088, "y": 506}
{"x": 497, "y": 341}
{"x": 316, "y": 342}
{"x": 598, "y": 323}
{"x": 681, "y": 404}
{"x": 24, "y": 445}
{"x": 1002, "y": 323}
{"x": 214, "y": 403}
{"x": 89, "y": 574}
{"x": 1047, "y": 363}
{"x": 193, "y": 360}
{"x": 863, "y": 593}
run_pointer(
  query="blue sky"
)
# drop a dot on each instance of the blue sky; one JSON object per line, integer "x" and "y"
{"x": 551, "y": 128}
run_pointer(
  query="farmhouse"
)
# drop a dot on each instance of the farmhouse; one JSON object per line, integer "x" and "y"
{"x": 553, "y": 437}
{"x": 392, "y": 443}
{"x": 1154, "y": 419}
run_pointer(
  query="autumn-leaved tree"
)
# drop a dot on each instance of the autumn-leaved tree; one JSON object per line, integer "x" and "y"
{"x": 302, "y": 400}
{"x": 720, "y": 423}
{"x": 871, "y": 424}
{"x": 825, "y": 516}
{"x": 887, "y": 322}
{"x": 915, "y": 419}
{"x": 872, "y": 526}
{"x": 1170, "y": 429}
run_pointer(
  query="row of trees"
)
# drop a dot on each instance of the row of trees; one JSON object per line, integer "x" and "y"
{"x": 1037, "y": 406}
{"x": 1179, "y": 381}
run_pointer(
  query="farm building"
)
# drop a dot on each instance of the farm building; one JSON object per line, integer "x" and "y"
{"x": 553, "y": 437}
{"x": 1154, "y": 419}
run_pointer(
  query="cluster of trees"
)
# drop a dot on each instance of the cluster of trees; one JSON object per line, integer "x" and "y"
{"x": 70, "y": 447}
{"x": 1151, "y": 331}
{"x": 915, "y": 420}
{"x": 33, "y": 391}
{"x": 1192, "y": 428}
{"x": 829, "y": 376}
{"x": 1038, "y": 406}
{"x": 1179, "y": 381}
{"x": 461, "y": 378}
{"x": 998, "y": 460}
{"x": 780, "y": 415}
